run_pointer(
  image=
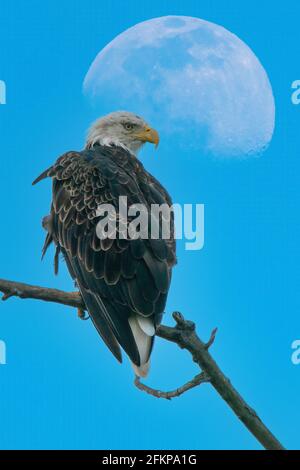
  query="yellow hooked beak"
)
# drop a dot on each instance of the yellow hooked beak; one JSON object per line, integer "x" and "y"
{"x": 148, "y": 135}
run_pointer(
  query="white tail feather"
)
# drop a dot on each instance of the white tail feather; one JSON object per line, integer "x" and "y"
{"x": 141, "y": 371}
{"x": 146, "y": 324}
{"x": 142, "y": 330}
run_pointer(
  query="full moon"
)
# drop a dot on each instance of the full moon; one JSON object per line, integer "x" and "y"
{"x": 201, "y": 83}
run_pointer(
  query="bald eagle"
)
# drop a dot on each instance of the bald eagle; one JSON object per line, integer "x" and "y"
{"x": 124, "y": 282}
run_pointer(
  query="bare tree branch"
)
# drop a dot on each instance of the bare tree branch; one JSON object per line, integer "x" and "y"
{"x": 197, "y": 380}
{"x": 184, "y": 335}
{"x": 26, "y": 291}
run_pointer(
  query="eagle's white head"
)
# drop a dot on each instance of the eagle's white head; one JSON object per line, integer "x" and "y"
{"x": 122, "y": 129}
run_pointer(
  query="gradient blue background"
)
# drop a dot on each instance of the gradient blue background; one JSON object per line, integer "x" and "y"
{"x": 61, "y": 388}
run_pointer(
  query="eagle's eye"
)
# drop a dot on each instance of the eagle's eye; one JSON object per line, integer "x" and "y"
{"x": 128, "y": 126}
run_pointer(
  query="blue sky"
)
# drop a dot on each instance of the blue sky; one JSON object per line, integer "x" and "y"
{"x": 60, "y": 387}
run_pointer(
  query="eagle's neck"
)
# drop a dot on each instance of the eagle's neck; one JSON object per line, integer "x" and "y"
{"x": 110, "y": 142}
{"x": 133, "y": 147}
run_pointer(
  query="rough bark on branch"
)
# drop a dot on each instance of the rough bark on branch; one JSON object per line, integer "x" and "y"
{"x": 184, "y": 335}
{"x": 197, "y": 380}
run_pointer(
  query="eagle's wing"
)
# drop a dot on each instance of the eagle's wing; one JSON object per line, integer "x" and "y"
{"x": 124, "y": 283}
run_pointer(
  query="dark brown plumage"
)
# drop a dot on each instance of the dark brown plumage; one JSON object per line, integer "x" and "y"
{"x": 117, "y": 278}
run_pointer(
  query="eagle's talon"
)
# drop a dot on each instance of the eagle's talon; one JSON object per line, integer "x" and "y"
{"x": 82, "y": 315}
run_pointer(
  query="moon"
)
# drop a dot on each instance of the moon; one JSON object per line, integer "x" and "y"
{"x": 201, "y": 83}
